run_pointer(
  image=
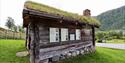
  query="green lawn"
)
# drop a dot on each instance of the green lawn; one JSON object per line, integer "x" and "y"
{"x": 8, "y": 49}
{"x": 102, "y": 55}
{"x": 117, "y": 41}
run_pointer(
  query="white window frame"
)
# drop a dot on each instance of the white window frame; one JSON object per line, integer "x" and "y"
{"x": 72, "y": 36}
{"x": 64, "y": 34}
{"x": 78, "y": 34}
{"x": 54, "y": 34}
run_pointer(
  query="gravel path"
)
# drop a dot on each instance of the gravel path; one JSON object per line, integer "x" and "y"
{"x": 115, "y": 46}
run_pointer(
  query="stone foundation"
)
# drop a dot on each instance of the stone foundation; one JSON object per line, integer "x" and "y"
{"x": 66, "y": 55}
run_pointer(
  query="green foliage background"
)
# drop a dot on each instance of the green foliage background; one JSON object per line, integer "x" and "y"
{"x": 112, "y": 19}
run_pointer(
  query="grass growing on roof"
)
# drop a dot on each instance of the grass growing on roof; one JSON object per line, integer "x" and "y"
{"x": 51, "y": 10}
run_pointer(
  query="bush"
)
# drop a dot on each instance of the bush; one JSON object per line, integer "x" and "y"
{"x": 104, "y": 35}
{"x": 116, "y": 35}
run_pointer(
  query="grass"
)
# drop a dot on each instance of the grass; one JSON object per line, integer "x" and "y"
{"x": 117, "y": 41}
{"x": 102, "y": 55}
{"x": 51, "y": 10}
{"x": 8, "y": 49}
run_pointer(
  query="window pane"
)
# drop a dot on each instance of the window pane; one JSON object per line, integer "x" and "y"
{"x": 64, "y": 34}
{"x": 72, "y": 36}
{"x": 78, "y": 34}
{"x": 54, "y": 34}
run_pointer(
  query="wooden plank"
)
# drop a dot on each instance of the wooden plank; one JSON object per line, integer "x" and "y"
{"x": 93, "y": 36}
{"x": 57, "y": 51}
{"x": 62, "y": 47}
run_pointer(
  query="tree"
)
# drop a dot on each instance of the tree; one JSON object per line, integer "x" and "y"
{"x": 102, "y": 36}
{"x": 14, "y": 31}
{"x": 21, "y": 30}
{"x": 15, "y": 28}
{"x": 10, "y": 23}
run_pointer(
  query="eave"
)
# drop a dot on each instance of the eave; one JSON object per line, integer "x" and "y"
{"x": 28, "y": 12}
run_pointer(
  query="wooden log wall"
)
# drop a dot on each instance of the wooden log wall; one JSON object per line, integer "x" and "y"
{"x": 42, "y": 51}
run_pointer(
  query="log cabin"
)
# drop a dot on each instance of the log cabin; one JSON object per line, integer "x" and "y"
{"x": 53, "y": 34}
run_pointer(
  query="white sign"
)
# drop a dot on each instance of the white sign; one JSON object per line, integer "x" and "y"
{"x": 72, "y": 36}
{"x": 54, "y": 34}
{"x": 78, "y": 34}
{"x": 64, "y": 34}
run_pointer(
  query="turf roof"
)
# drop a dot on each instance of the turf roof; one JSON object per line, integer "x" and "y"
{"x": 44, "y": 8}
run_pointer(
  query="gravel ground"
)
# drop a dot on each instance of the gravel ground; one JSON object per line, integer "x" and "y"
{"x": 115, "y": 46}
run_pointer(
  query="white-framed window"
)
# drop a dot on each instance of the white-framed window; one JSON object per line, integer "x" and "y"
{"x": 72, "y": 36}
{"x": 64, "y": 34}
{"x": 54, "y": 34}
{"x": 78, "y": 34}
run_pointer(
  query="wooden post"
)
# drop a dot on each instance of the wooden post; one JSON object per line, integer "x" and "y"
{"x": 26, "y": 36}
{"x": 93, "y": 35}
{"x": 36, "y": 43}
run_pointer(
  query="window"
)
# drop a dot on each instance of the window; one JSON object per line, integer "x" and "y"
{"x": 72, "y": 36}
{"x": 72, "y": 33}
{"x": 78, "y": 34}
{"x": 64, "y": 34}
{"x": 54, "y": 34}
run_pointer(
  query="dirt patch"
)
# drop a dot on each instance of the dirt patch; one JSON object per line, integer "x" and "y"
{"x": 22, "y": 53}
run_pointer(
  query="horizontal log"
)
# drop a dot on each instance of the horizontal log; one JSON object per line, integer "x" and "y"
{"x": 57, "y": 51}
{"x": 54, "y": 44}
{"x": 64, "y": 47}
{"x": 44, "y": 37}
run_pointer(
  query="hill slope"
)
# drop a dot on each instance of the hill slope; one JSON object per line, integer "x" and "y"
{"x": 113, "y": 19}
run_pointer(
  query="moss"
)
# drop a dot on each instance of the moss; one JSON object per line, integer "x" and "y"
{"x": 51, "y": 10}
